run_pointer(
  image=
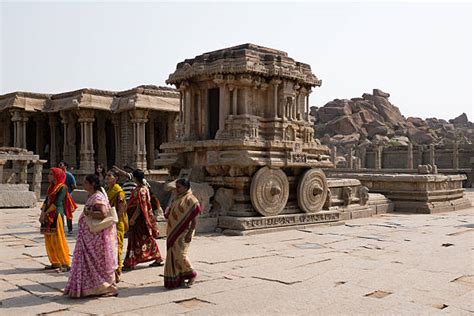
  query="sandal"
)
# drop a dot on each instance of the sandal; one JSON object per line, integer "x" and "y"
{"x": 156, "y": 264}
{"x": 52, "y": 267}
{"x": 117, "y": 277}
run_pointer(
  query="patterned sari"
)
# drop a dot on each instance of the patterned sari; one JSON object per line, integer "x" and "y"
{"x": 142, "y": 246}
{"x": 56, "y": 204}
{"x": 95, "y": 257}
{"x": 183, "y": 209}
{"x": 116, "y": 196}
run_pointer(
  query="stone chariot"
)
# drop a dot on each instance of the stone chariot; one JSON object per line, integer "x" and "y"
{"x": 244, "y": 125}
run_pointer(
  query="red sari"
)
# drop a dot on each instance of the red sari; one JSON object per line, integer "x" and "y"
{"x": 142, "y": 246}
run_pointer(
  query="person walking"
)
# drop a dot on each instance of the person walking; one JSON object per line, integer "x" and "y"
{"x": 95, "y": 255}
{"x": 116, "y": 198}
{"x": 71, "y": 186}
{"x": 57, "y": 203}
{"x": 181, "y": 216}
{"x": 142, "y": 246}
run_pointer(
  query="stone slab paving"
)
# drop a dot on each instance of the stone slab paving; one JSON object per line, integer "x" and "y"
{"x": 388, "y": 264}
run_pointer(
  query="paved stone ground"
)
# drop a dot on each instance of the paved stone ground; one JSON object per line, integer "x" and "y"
{"x": 391, "y": 264}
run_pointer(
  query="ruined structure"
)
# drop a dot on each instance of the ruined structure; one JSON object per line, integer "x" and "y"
{"x": 17, "y": 189}
{"x": 245, "y": 128}
{"x": 89, "y": 126}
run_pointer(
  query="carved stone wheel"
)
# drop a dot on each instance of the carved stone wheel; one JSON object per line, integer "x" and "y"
{"x": 269, "y": 191}
{"x": 312, "y": 190}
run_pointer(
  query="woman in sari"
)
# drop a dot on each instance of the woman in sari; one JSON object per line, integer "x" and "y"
{"x": 57, "y": 204}
{"x": 116, "y": 198}
{"x": 181, "y": 216}
{"x": 142, "y": 246}
{"x": 95, "y": 255}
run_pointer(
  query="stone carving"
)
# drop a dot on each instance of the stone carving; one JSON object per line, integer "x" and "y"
{"x": 363, "y": 195}
{"x": 311, "y": 191}
{"x": 347, "y": 195}
{"x": 328, "y": 201}
{"x": 269, "y": 191}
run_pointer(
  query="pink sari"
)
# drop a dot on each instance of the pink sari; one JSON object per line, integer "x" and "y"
{"x": 95, "y": 258}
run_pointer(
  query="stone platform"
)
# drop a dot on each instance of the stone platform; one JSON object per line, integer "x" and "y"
{"x": 416, "y": 193}
{"x": 237, "y": 225}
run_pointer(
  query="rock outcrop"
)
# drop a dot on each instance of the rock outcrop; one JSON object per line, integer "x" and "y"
{"x": 373, "y": 119}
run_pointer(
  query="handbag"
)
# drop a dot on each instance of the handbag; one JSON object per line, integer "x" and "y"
{"x": 97, "y": 225}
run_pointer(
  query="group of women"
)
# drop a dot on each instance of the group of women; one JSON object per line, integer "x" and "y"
{"x": 97, "y": 259}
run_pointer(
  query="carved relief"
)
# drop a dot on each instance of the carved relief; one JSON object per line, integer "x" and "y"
{"x": 363, "y": 195}
{"x": 347, "y": 195}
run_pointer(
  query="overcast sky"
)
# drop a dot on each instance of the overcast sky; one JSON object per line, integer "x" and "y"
{"x": 421, "y": 53}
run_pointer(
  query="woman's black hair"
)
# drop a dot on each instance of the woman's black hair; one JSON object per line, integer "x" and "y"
{"x": 102, "y": 173}
{"x": 184, "y": 182}
{"x": 94, "y": 180}
{"x": 139, "y": 175}
{"x": 114, "y": 173}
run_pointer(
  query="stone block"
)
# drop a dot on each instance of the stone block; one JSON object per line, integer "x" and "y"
{"x": 14, "y": 199}
{"x": 14, "y": 187}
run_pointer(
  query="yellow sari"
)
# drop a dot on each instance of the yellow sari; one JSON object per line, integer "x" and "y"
{"x": 178, "y": 268}
{"x": 116, "y": 196}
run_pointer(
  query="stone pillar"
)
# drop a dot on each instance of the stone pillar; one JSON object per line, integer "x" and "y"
{"x": 410, "y": 156}
{"x": 23, "y": 171}
{"x": 432, "y": 154}
{"x": 39, "y": 121}
{"x": 223, "y": 108}
{"x": 333, "y": 154}
{"x": 150, "y": 127}
{"x": 69, "y": 138}
{"x": 118, "y": 143}
{"x": 138, "y": 119}
{"x": 187, "y": 113}
{"x": 350, "y": 162}
{"x": 101, "y": 141}
{"x": 53, "y": 123}
{"x": 455, "y": 155}
{"x": 378, "y": 157}
{"x": 275, "y": 97}
{"x": 2, "y": 164}
{"x": 86, "y": 119}
{"x": 235, "y": 96}
{"x": 37, "y": 177}
{"x": 19, "y": 120}
{"x": 307, "y": 107}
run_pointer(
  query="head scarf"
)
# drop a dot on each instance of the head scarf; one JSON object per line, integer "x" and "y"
{"x": 53, "y": 189}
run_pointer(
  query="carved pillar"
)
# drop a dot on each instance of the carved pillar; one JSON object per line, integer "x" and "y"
{"x": 432, "y": 154}
{"x": 235, "y": 96}
{"x": 308, "y": 118}
{"x": 224, "y": 107}
{"x": 65, "y": 122}
{"x": 118, "y": 142}
{"x": 53, "y": 123}
{"x": 101, "y": 141}
{"x": 275, "y": 84}
{"x": 362, "y": 153}
{"x": 350, "y": 161}
{"x": 19, "y": 120}
{"x": 2, "y": 164}
{"x": 23, "y": 171}
{"x": 69, "y": 137}
{"x": 455, "y": 155}
{"x": 138, "y": 119}
{"x": 86, "y": 119}
{"x": 378, "y": 157}
{"x": 150, "y": 127}
{"x": 187, "y": 113}
{"x": 6, "y": 123}
{"x": 410, "y": 156}
{"x": 37, "y": 177}
{"x": 39, "y": 121}
{"x": 333, "y": 154}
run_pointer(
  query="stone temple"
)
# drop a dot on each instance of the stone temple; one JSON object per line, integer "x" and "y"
{"x": 238, "y": 125}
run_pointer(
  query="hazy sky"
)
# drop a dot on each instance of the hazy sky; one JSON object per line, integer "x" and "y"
{"x": 421, "y": 53}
